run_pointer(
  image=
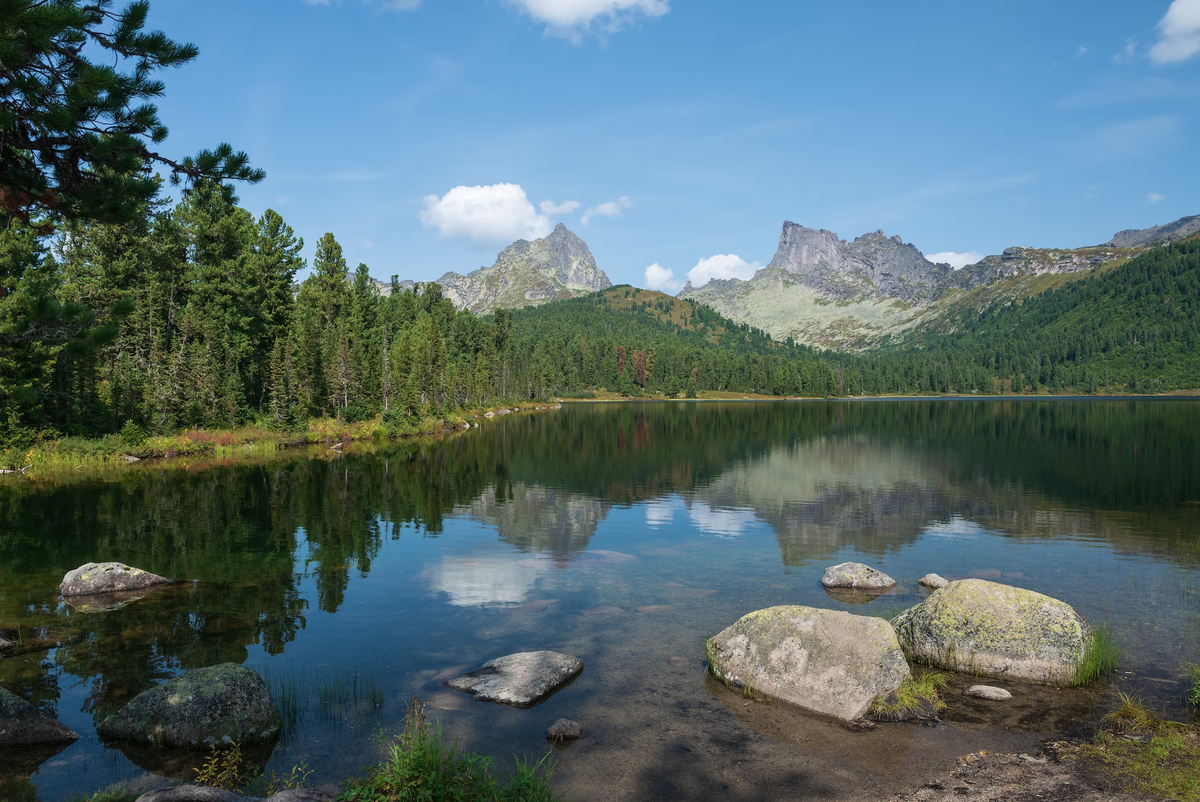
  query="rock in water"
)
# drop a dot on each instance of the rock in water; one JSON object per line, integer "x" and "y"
{"x": 987, "y": 628}
{"x": 933, "y": 581}
{"x": 206, "y": 706}
{"x": 106, "y": 578}
{"x": 21, "y": 723}
{"x": 989, "y": 692}
{"x": 856, "y": 576}
{"x": 564, "y": 730}
{"x": 521, "y": 679}
{"x": 826, "y": 661}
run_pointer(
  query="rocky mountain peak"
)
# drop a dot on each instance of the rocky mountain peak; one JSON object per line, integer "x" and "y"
{"x": 1182, "y": 228}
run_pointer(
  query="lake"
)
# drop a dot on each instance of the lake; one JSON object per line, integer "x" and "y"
{"x": 625, "y": 534}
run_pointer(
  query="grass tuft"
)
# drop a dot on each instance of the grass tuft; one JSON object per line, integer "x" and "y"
{"x": 918, "y": 695}
{"x": 1192, "y": 675}
{"x": 420, "y": 765}
{"x": 1099, "y": 659}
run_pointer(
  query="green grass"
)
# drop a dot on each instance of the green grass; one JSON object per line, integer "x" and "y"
{"x": 107, "y": 796}
{"x": 918, "y": 694}
{"x": 420, "y": 765}
{"x": 1167, "y": 765}
{"x": 1099, "y": 659}
{"x": 1192, "y": 675}
{"x": 333, "y": 696}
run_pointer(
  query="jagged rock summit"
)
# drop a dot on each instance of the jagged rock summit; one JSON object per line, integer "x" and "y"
{"x": 527, "y": 273}
{"x": 1182, "y": 228}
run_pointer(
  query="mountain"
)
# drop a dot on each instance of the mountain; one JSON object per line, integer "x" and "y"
{"x": 824, "y": 291}
{"x": 526, "y": 273}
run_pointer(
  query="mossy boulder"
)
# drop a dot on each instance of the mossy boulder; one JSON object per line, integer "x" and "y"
{"x": 108, "y": 577}
{"x": 982, "y": 627}
{"x": 826, "y": 661}
{"x": 21, "y": 724}
{"x": 220, "y": 704}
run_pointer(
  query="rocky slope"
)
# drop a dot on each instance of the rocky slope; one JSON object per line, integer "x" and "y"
{"x": 824, "y": 291}
{"x": 525, "y": 274}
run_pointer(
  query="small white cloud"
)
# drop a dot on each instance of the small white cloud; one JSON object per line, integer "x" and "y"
{"x": 485, "y": 215}
{"x": 1155, "y": 197}
{"x": 659, "y": 513}
{"x": 1081, "y": 51}
{"x": 661, "y": 278}
{"x": 1127, "y": 53}
{"x": 723, "y": 266}
{"x": 1179, "y": 33}
{"x": 551, "y": 208}
{"x": 720, "y": 521}
{"x": 368, "y": 244}
{"x": 608, "y": 209}
{"x": 955, "y": 260}
{"x": 571, "y": 18}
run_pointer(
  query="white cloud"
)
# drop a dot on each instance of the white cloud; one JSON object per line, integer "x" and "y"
{"x": 550, "y": 208}
{"x": 485, "y": 215}
{"x": 660, "y": 513}
{"x": 1179, "y": 33}
{"x": 1155, "y": 197}
{"x": 1127, "y": 53}
{"x": 723, "y": 265}
{"x": 608, "y": 209}
{"x": 661, "y": 278}
{"x": 1081, "y": 50}
{"x": 955, "y": 260}
{"x": 472, "y": 580}
{"x": 723, "y": 522}
{"x": 572, "y": 17}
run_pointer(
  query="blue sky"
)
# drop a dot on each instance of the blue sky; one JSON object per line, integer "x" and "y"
{"x": 681, "y": 133}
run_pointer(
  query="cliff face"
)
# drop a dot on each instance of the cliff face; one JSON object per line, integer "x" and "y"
{"x": 527, "y": 273}
{"x": 824, "y": 291}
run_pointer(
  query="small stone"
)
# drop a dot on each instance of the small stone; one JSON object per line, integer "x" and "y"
{"x": 989, "y": 692}
{"x": 131, "y": 459}
{"x": 933, "y": 581}
{"x": 564, "y": 730}
{"x": 106, "y": 578}
{"x": 857, "y": 576}
{"x": 21, "y": 723}
{"x": 521, "y": 679}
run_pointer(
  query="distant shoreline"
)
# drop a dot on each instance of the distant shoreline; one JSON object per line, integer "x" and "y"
{"x": 1191, "y": 395}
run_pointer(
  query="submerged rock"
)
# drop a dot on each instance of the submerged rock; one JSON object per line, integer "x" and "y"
{"x": 106, "y": 602}
{"x": 21, "y": 723}
{"x": 106, "y": 578}
{"x": 989, "y": 692}
{"x": 827, "y": 661}
{"x": 982, "y": 627}
{"x": 933, "y": 581}
{"x": 6, "y": 644}
{"x": 856, "y": 576}
{"x": 564, "y": 730}
{"x": 206, "y": 706}
{"x": 521, "y": 679}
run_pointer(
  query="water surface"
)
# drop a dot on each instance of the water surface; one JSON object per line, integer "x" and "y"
{"x": 622, "y": 533}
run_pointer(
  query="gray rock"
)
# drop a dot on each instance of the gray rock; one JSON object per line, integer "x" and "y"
{"x": 986, "y": 628}
{"x": 1138, "y": 237}
{"x": 989, "y": 692}
{"x": 933, "y": 581}
{"x": 5, "y": 644}
{"x": 206, "y": 706}
{"x": 521, "y": 679}
{"x": 21, "y": 723}
{"x": 564, "y": 730}
{"x": 856, "y": 576}
{"x": 826, "y": 661}
{"x": 107, "y": 577}
{"x": 106, "y": 602}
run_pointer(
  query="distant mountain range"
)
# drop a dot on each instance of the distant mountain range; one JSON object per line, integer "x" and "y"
{"x": 824, "y": 291}
{"x": 526, "y": 273}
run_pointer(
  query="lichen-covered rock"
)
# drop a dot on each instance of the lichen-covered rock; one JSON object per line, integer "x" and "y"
{"x": 564, "y": 730}
{"x": 21, "y": 723}
{"x": 106, "y": 578}
{"x": 856, "y": 576}
{"x": 933, "y": 581}
{"x": 521, "y": 679}
{"x": 218, "y": 704}
{"x": 986, "y": 628}
{"x": 827, "y": 661}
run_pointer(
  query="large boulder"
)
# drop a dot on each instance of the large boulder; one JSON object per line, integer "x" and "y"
{"x": 206, "y": 706}
{"x": 106, "y": 578}
{"x": 21, "y": 723}
{"x": 521, "y": 679}
{"x": 827, "y": 661}
{"x": 983, "y": 627}
{"x": 856, "y": 576}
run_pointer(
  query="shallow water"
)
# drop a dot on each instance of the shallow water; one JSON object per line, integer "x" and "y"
{"x": 624, "y": 534}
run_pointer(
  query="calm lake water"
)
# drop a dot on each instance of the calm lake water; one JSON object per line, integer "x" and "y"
{"x": 622, "y": 533}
